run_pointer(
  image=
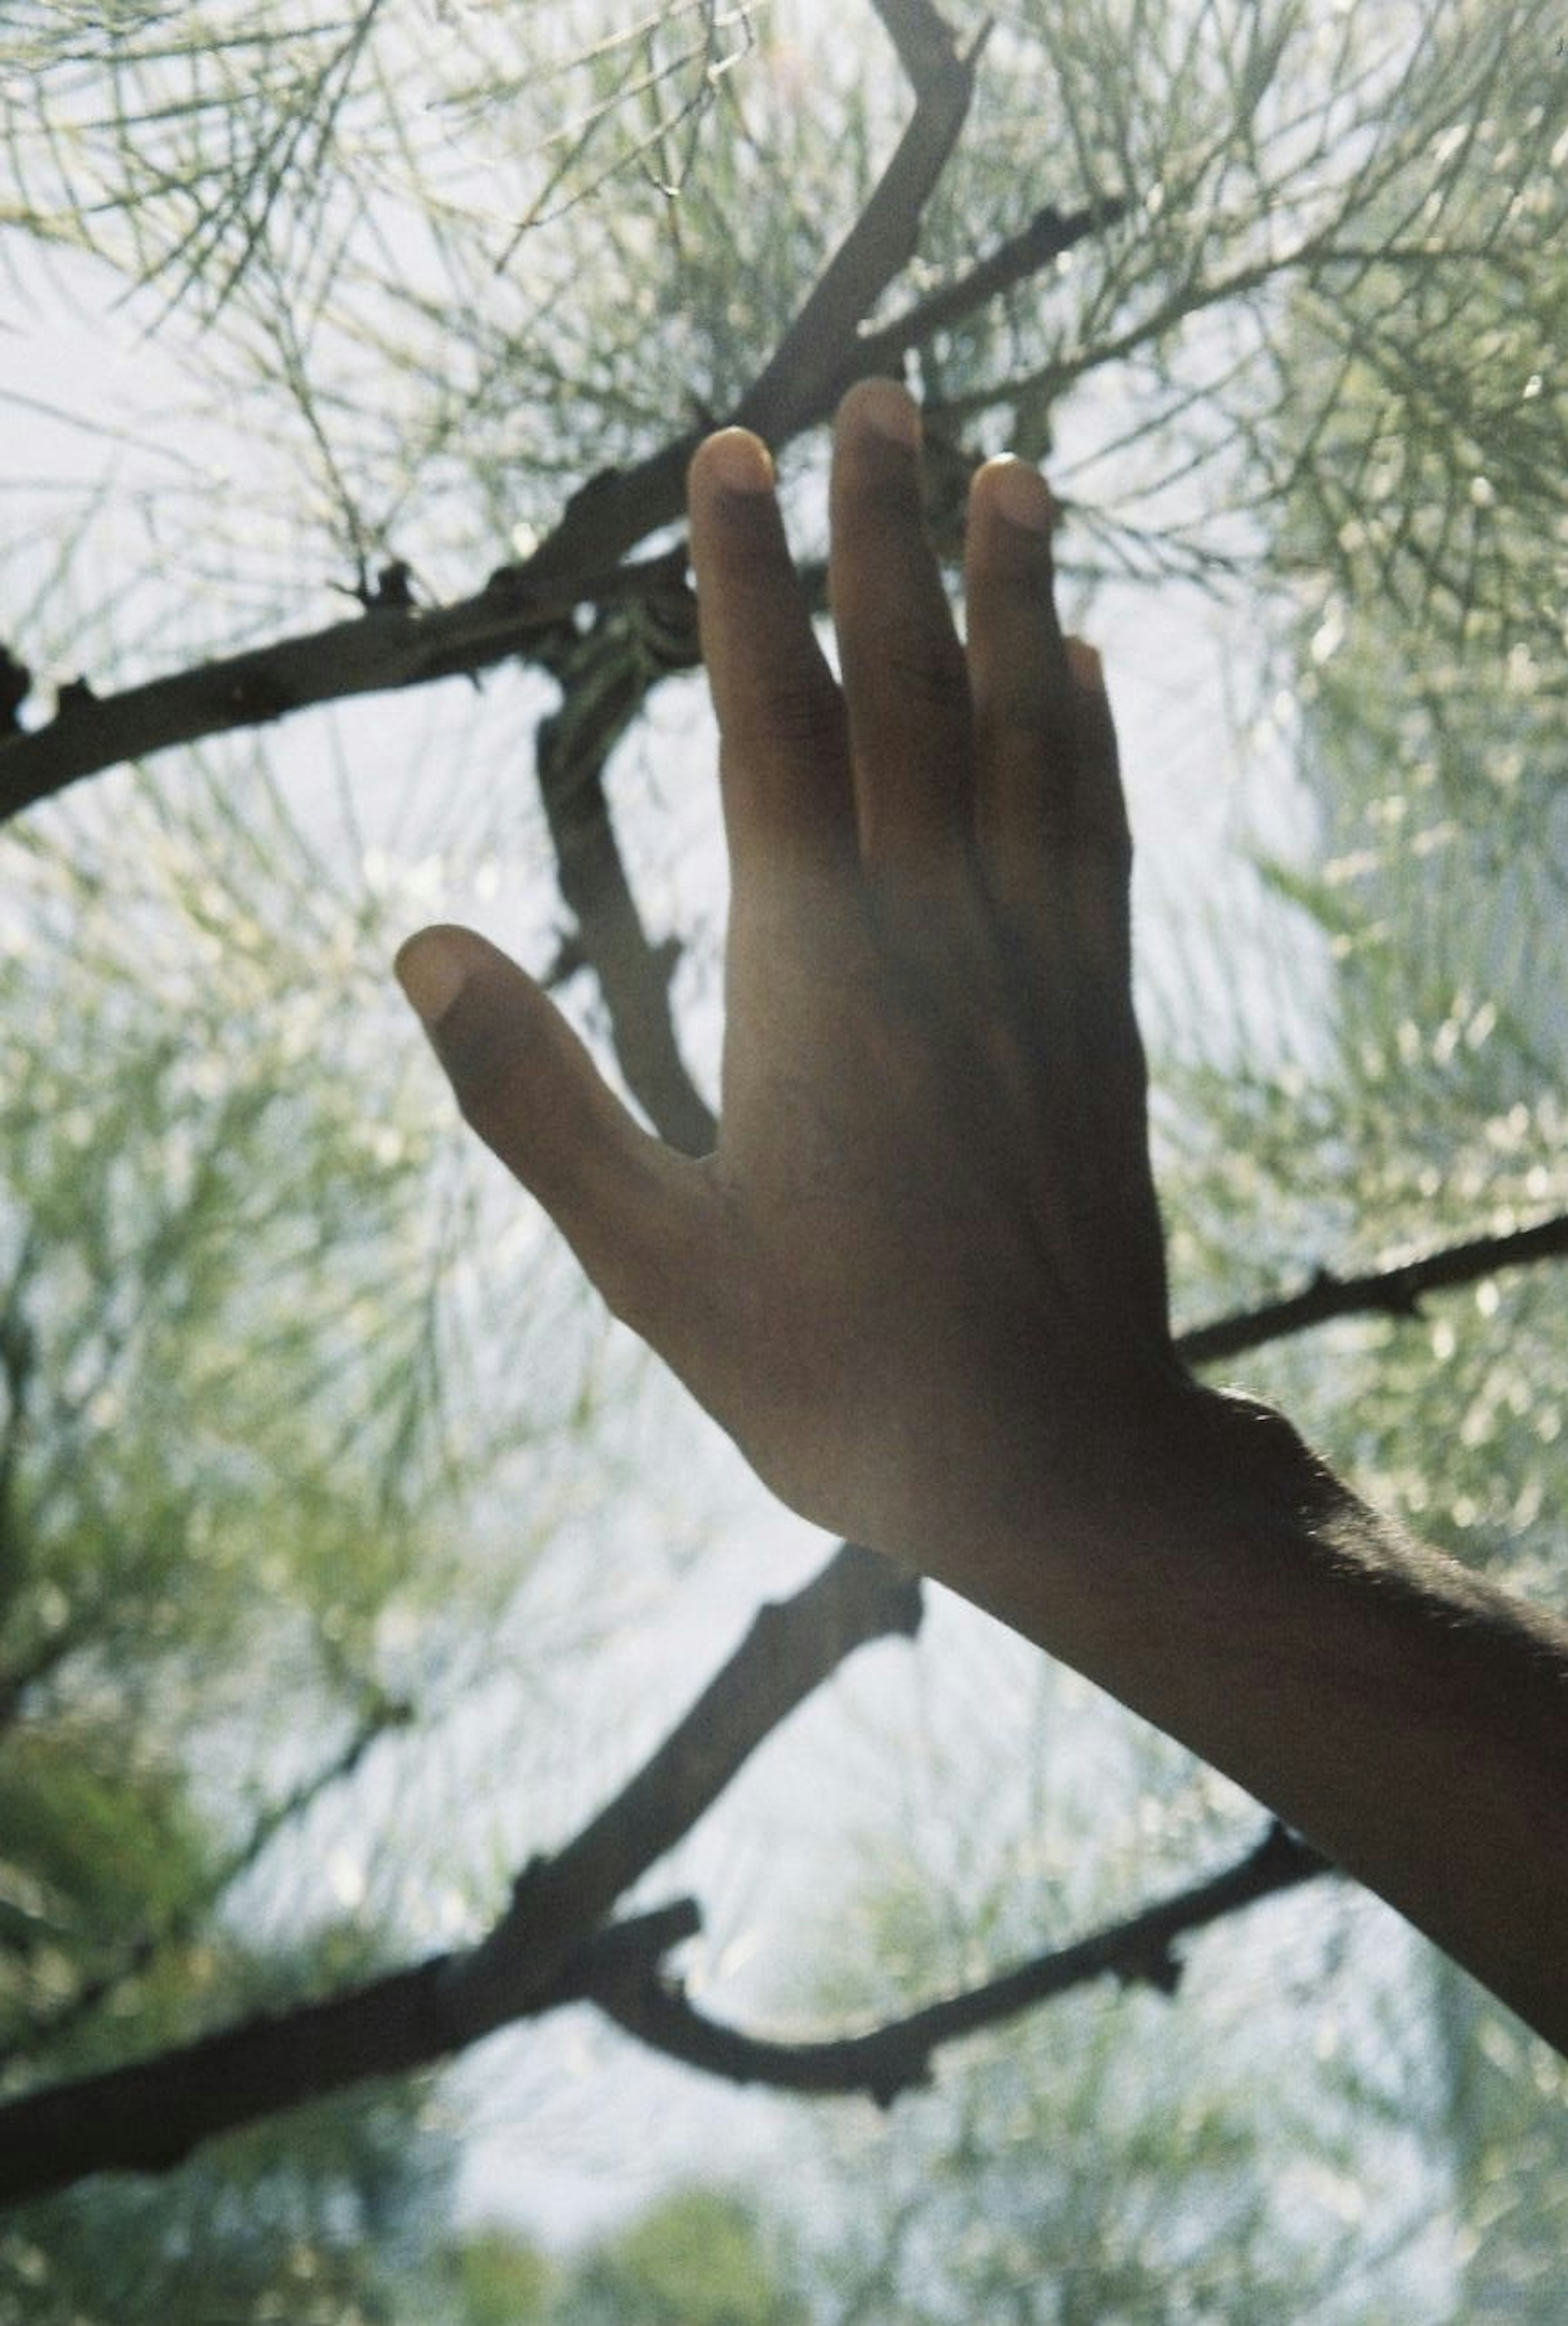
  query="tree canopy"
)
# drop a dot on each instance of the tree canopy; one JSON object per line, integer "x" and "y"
{"x": 349, "y": 1560}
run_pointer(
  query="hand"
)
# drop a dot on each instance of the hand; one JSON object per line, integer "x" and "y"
{"x": 920, "y": 1280}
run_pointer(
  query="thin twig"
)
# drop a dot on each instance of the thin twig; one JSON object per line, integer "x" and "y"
{"x": 1397, "y": 1290}
{"x": 605, "y": 680}
{"x": 890, "y": 2059}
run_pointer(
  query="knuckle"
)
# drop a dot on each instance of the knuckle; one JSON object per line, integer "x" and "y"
{"x": 793, "y": 714}
{"x": 924, "y": 672}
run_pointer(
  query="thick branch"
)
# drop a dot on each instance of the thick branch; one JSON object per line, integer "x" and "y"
{"x": 149, "y": 2116}
{"x": 888, "y": 2060}
{"x": 1395, "y": 1291}
{"x": 791, "y": 1647}
{"x": 383, "y": 648}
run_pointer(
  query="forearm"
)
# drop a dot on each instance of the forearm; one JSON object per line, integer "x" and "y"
{"x": 1408, "y": 1717}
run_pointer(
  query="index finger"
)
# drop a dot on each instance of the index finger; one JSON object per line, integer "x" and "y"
{"x": 783, "y": 739}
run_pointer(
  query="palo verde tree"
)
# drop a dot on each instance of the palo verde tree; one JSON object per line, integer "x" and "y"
{"x": 439, "y": 300}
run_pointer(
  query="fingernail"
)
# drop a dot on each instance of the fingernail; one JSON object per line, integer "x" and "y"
{"x": 432, "y": 971}
{"x": 1022, "y": 495}
{"x": 890, "y": 410}
{"x": 739, "y": 461}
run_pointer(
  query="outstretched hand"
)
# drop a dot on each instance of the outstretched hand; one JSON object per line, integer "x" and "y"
{"x": 920, "y": 1278}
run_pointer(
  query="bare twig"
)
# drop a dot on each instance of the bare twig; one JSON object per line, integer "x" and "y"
{"x": 1049, "y": 234}
{"x": 605, "y": 680}
{"x": 889, "y": 2060}
{"x": 383, "y": 649}
{"x": 1393, "y": 1291}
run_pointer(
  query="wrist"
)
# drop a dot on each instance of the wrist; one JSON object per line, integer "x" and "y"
{"x": 1107, "y": 1545}
{"x": 1232, "y": 1457}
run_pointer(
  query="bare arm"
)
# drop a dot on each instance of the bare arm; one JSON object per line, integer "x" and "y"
{"x": 921, "y": 1278}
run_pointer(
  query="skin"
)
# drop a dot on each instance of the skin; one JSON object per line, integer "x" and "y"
{"x": 921, "y": 1278}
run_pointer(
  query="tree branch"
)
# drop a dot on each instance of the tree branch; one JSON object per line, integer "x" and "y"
{"x": 791, "y": 1647}
{"x": 383, "y": 649}
{"x": 1393, "y": 1291}
{"x": 391, "y": 647}
{"x": 801, "y": 382}
{"x": 924, "y": 39}
{"x": 148, "y": 2116}
{"x": 815, "y": 360}
{"x": 151, "y": 2114}
{"x": 1049, "y": 234}
{"x": 889, "y": 2060}
{"x": 604, "y": 678}
{"x": 582, "y": 562}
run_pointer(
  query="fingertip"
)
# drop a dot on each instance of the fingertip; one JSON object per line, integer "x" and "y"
{"x": 884, "y": 407}
{"x": 521, "y": 1076}
{"x": 1016, "y": 491}
{"x": 733, "y": 459}
{"x": 432, "y": 967}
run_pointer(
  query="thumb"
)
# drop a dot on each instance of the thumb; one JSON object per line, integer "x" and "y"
{"x": 526, "y": 1083}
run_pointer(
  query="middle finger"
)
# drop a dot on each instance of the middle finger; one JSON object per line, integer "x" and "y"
{"x": 906, "y": 679}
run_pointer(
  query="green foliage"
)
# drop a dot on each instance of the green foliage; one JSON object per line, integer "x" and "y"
{"x": 414, "y": 271}
{"x": 695, "y": 2258}
{"x": 454, "y": 273}
{"x": 1427, "y": 646}
{"x": 221, "y": 1446}
{"x": 501, "y": 2279}
{"x": 1430, "y": 732}
{"x": 219, "y": 1320}
{"x": 1119, "y": 2156}
{"x": 699, "y": 2256}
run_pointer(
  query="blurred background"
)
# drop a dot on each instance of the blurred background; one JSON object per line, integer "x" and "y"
{"x": 349, "y": 1556}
